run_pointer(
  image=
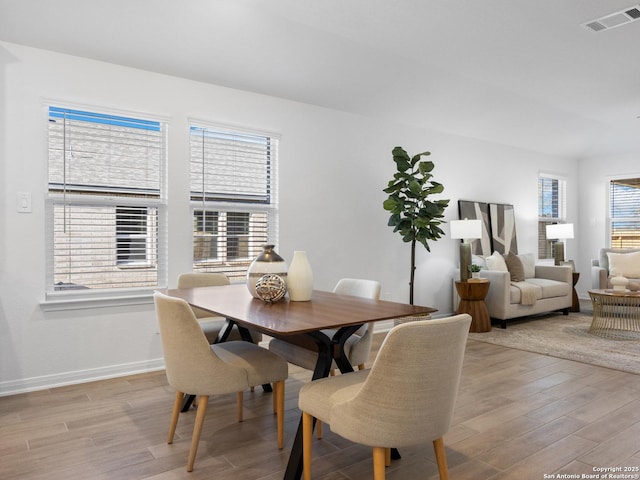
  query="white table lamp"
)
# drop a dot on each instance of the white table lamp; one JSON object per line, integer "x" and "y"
{"x": 465, "y": 230}
{"x": 560, "y": 232}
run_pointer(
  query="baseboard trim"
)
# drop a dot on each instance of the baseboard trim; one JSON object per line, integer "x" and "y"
{"x": 25, "y": 385}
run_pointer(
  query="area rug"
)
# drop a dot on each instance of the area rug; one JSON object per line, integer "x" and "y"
{"x": 565, "y": 336}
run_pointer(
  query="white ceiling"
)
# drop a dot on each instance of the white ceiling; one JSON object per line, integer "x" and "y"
{"x": 517, "y": 72}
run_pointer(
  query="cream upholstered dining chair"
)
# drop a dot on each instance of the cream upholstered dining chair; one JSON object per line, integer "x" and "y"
{"x": 406, "y": 398}
{"x": 211, "y": 325}
{"x": 301, "y": 352}
{"x": 196, "y": 367}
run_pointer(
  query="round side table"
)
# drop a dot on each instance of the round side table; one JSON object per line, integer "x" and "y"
{"x": 472, "y": 296}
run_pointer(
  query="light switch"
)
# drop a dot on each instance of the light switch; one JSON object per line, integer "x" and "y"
{"x": 24, "y": 202}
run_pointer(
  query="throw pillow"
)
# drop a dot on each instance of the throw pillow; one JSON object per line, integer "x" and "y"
{"x": 515, "y": 267}
{"x": 529, "y": 263}
{"x": 625, "y": 264}
{"x": 495, "y": 261}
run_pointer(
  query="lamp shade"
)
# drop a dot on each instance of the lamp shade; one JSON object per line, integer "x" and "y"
{"x": 560, "y": 231}
{"x": 466, "y": 229}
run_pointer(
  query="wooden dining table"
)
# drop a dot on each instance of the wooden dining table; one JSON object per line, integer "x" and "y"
{"x": 326, "y": 310}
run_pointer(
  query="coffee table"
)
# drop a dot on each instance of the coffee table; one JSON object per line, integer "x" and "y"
{"x": 616, "y": 314}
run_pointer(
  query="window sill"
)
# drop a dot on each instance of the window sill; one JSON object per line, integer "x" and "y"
{"x": 56, "y": 302}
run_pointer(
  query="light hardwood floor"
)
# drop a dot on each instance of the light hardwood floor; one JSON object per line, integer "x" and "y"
{"x": 519, "y": 415}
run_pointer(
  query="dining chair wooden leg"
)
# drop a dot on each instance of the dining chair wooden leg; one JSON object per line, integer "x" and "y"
{"x": 361, "y": 366}
{"x": 279, "y": 395}
{"x": 379, "y": 459}
{"x": 177, "y": 406}
{"x": 197, "y": 430}
{"x": 307, "y": 439}
{"x": 240, "y": 402}
{"x": 441, "y": 458}
{"x": 319, "y": 429}
{"x": 387, "y": 457}
{"x": 275, "y": 400}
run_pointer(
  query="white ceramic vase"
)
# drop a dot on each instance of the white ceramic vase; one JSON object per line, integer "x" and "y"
{"x": 300, "y": 278}
{"x": 619, "y": 282}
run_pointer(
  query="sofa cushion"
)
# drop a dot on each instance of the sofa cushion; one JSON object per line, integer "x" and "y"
{"x": 551, "y": 288}
{"x": 515, "y": 267}
{"x": 603, "y": 261}
{"x": 625, "y": 264}
{"x": 495, "y": 261}
{"x": 529, "y": 263}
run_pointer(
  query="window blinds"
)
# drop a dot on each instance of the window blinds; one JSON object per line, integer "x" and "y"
{"x": 231, "y": 166}
{"x": 105, "y": 192}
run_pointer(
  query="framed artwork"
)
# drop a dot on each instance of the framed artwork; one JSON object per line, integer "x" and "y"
{"x": 503, "y": 228}
{"x": 477, "y": 211}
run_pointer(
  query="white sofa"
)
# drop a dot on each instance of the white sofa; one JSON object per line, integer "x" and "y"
{"x": 551, "y": 285}
{"x": 601, "y": 271}
{"x": 554, "y": 292}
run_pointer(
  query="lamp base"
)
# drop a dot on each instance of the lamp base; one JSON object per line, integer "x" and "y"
{"x": 465, "y": 261}
{"x": 559, "y": 257}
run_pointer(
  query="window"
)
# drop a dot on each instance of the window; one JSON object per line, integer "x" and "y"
{"x": 233, "y": 198}
{"x": 624, "y": 201}
{"x": 104, "y": 200}
{"x": 551, "y": 209}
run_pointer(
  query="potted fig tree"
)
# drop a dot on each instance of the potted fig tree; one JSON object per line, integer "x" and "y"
{"x": 414, "y": 215}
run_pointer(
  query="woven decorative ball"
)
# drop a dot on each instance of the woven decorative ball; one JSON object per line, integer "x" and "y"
{"x": 271, "y": 288}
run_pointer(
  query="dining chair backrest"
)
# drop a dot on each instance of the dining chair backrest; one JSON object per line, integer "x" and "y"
{"x": 358, "y": 288}
{"x": 409, "y": 394}
{"x": 191, "y": 364}
{"x": 200, "y": 279}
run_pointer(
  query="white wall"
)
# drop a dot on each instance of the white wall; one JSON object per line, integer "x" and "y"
{"x": 333, "y": 167}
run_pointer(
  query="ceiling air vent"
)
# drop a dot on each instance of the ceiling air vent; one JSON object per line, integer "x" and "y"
{"x": 613, "y": 20}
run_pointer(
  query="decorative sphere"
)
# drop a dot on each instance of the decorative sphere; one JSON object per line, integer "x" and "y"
{"x": 271, "y": 288}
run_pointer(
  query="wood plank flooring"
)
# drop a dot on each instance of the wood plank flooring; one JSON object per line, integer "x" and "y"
{"x": 519, "y": 415}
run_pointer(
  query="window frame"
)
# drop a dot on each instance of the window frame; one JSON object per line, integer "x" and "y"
{"x": 546, "y": 248}
{"x": 106, "y": 197}
{"x": 611, "y": 218}
{"x": 261, "y": 209}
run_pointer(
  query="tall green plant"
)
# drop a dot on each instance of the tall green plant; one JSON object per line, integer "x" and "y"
{"x": 413, "y": 215}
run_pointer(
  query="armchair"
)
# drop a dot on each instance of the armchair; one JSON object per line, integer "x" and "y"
{"x": 602, "y": 269}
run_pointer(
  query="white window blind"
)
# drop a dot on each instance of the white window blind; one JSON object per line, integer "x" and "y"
{"x": 104, "y": 200}
{"x": 233, "y": 198}
{"x": 551, "y": 209}
{"x": 624, "y": 201}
